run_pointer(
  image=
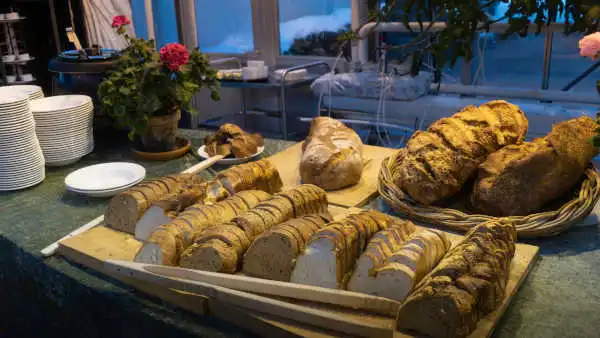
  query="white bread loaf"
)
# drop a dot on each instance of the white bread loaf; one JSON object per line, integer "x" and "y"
{"x": 402, "y": 270}
{"x": 331, "y": 252}
{"x": 331, "y": 155}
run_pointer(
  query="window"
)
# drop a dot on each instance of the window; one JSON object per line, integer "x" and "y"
{"x": 165, "y": 21}
{"x": 224, "y": 26}
{"x": 311, "y": 27}
{"x": 567, "y": 64}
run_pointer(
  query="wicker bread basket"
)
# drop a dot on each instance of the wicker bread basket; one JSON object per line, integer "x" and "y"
{"x": 542, "y": 224}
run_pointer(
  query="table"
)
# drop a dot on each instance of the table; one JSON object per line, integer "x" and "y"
{"x": 283, "y": 86}
{"x": 52, "y": 297}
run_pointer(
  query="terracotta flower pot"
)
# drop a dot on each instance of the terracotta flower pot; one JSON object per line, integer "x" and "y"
{"x": 161, "y": 134}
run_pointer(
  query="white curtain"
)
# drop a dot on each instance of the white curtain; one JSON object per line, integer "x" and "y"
{"x": 98, "y": 21}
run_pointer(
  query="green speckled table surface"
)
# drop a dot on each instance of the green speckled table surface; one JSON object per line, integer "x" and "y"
{"x": 53, "y": 297}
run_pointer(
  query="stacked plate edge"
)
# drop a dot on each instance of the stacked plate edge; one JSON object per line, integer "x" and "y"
{"x": 34, "y": 92}
{"x": 64, "y": 127}
{"x": 21, "y": 158}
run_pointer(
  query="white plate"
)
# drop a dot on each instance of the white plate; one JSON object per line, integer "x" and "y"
{"x": 59, "y": 103}
{"x": 30, "y": 90}
{"x": 228, "y": 161}
{"x": 78, "y": 115}
{"x": 104, "y": 193}
{"x": 11, "y": 98}
{"x": 105, "y": 176}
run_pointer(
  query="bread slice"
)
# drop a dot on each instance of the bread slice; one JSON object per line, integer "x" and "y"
{"x": 214, "y": 255}
{"x": 402, "y": 270}
{"x": 265, "y": 216}
{"x": 126, "y": 208}
{"x": 381, "y": 246}
{"x": 185, "y": 228}
{"x": 331, "y": 252}
{"x": 273, "y": 254}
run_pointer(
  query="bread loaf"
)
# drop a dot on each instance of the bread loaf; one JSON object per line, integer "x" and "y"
{"x": 466, "y": 285}
{"x": 126, "y": 208}
{"x": 331, "y": 252}
{"x": 166, "y": 243}
{"x": 273, "y": 254}
{"x": 331, "y": 155}
{"x": 297, "y": 202}
{"x": 391, "y": 269}
{"x": 437, "y": 162}
{"x": 260, "y": 175}
{"x": 520, "y": 179}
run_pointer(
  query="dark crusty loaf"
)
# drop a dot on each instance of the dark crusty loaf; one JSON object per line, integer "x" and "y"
{"x": 437, "y": 162}
{"x": 167, "y": 242}
{"x": 273, "y": 254}
{"x": 245, "y": 228}
{"x": 259, "y": 175}
{"x": 126, "y": 208}
{"x": 331, "y": 155}
{"x": 466, "y": 285}
{"x": 520, "y": 179}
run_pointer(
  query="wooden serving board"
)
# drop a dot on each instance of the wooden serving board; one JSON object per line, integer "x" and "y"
{"x": 288, "y": 165}
{"x": 95, "y": 247}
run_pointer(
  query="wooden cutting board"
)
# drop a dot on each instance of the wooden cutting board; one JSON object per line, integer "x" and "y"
{"x": 288, "y": 165}
{"x": 93, "y": 247}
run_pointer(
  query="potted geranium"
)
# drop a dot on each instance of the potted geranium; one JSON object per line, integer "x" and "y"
{"x": 148, "y": 89}
{"x": 589, "y": 46}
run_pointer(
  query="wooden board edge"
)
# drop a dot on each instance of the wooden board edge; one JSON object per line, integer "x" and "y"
{"x": 194, "y": 303}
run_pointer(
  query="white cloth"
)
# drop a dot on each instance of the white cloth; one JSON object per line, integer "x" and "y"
{"x": 98, "y": 20}
{"x": 370, "y": 84}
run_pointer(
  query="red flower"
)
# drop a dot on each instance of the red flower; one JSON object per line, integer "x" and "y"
{"x": 119, "y": 21}
{"x": 174, "y": 55}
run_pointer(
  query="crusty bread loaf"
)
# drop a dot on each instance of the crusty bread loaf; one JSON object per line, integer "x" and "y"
{"x": 437, "y": 162}
{"x": 126, "y": 208}
{"x": 465, "y": 286}
{"x": 260, "y": 175}
{"x": 520, "y": 179}
{"x": 302, "y": 200}
{"x": 331, "y": 155}
{"x": 331, "y": 252}
{"x": 392, "y": 271}
{"x": 273, "y": 254}
{"x": 166, "y": 244}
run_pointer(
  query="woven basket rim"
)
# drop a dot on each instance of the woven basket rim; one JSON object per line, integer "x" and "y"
{"x": 542, "y": 224}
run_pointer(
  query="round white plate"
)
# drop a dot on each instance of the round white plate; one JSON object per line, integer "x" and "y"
{"x": 228, "y": 161}
{"x": 104, "y": 193}
{"x": 59, "y": 103}
{"x": 30, "y": 90}
{"x": 13, "y": 99}
{"x": 105, "y": 176}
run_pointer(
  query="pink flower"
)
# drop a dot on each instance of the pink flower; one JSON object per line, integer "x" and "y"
{"x": 174, "y": 55}
{"x": 119, "y": 21}
{"x": 590, "y": 45}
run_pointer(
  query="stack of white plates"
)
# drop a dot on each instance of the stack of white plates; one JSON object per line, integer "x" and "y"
{"x": 106, "y": 179}
{"x": 21, "y": 159}
{"x": 64, "y": 126}
{"x": 34, "y": 92}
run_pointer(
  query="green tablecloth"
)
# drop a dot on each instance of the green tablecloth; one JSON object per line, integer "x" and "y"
{"x": 53, "y": 297}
